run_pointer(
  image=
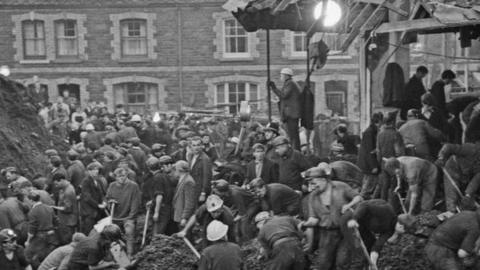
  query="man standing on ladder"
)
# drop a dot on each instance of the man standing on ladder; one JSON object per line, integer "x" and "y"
{"x": 289, "y": 104}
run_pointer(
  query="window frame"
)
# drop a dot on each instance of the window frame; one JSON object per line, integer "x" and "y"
{"x": 57, "y": 37}
{"x": 226, "y": 94}
{"x": 225, "y": 36}
{"x": 24, "y": 39}
{"x": 124, "y": 39}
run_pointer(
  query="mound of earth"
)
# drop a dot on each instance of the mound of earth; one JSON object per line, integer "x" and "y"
{"x": 407, "y": 254}
{"x": 23, "y": 136}
{"x": 164, "y": 253}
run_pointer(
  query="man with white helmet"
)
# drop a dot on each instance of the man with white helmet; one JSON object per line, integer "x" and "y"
{"x": 221, "y": 254}
{"x": 212, "y": 209}
{"x": 11, "y": 255}
{"x": 281, "y": 242}
{"x": 289, "y": 104}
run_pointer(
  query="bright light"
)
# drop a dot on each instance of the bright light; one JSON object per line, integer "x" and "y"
{"x": 333, "y": 13}
{"x": 156, "y": 118}
{"x": 5, "y": 71}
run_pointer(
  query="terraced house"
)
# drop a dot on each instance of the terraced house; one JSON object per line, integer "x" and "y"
{"x": 160, "y": 55}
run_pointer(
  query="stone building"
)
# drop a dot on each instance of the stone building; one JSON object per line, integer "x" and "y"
{"x": 161, "y": 55}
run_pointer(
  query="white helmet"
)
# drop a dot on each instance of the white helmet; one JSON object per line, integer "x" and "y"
{"x": 326, "y": 167}
{"x": 213, "y": 203}
{"x": 136, "y": 118}
{"x": 287, "y": 71}
{"x": 89, "y": 127}
{"x": 216, "y": 230}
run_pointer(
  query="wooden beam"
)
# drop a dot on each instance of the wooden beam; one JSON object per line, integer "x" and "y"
{"x": 376, "y": 18}
{"x": 419, "y": 25}
{"x": 357, "y": 24}
{"x": 385, "y": 4}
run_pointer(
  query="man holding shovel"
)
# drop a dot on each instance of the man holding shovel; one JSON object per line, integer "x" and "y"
{"x": 124, "y": 197}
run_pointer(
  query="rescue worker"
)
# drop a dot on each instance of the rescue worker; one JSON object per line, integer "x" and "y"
{"x": 343, "y": 171}
{"x": 289, "y": 104}
{"x": 461, "y": 164}
{"x": 91, "y": 252}
{"x": 329, "y": 200}
{"x": 11, "y": 255}
{"x": 243, "y": 204}
{"x": 76, "y": 171}
{"x": 261, "y": 167}
{"x": 200, "y": 168}
{"x": 212, "y": 209}
{"x": 126, "y": 196}
{"x": 16, "y": 182}
{"x": 291, "y": 164}
{"x": 272, "y": 130}
{"x": 158, "y": 150}
{"x": 41, "y": 231}
{"x": 13, "y": 215}
{"x": 59, "y": 258}
{"x": 421, "y": 177}
{"x": 281, "y": 242}
{"x": 92, "y": 199}
{"x": 184, "y": 200}
{"x": 277, "y": 198}
{"x": 374, "y": 220}
{"x": 451, "y": 246}
{"x": 221, "y": 254}
{"x": 67, "y": 208}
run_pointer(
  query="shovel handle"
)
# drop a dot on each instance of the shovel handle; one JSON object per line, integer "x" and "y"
{"x": 187, "y": 242}
{"x": 145, "y": 227}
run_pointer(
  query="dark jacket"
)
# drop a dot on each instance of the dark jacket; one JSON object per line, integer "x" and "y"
{"x": 467, "y": 156}
{"x": 389, "y": 143}
{"x": 438, "y": 92}
{"x": 290, "y": 168}
{"x": 201, "y": 172}
{"x": 92, "y": 196}
{"x": 413, "y": 93}
{"x": 393, "y": 86}
{"x": 289, "y": 99}
{"x": 220, "y": 256}
{"x": 269, "y": 171}
{"x": 367, "y": 158}
{"x": 76, "y": 174}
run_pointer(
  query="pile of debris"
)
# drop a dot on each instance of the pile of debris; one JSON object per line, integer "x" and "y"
{"x": 407, "y": 254}
{"x": 23, "y": 136}
{"x": 166, "y": 253}
{"x": 251, "y": 253}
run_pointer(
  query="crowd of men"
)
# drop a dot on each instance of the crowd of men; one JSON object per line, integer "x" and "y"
{"x": 304, "y": 210}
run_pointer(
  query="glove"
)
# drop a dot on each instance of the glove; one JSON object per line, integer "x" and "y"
{"x": 271, "y": 84}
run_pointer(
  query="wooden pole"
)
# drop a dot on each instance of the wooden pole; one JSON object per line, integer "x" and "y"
{"x": 269, "y": 92}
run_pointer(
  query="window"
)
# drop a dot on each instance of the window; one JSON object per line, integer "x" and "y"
{"x": 137, "y": 97}
{"x": 34, "y": 39}
{"x": 134, "y": 37}
{"x": 299, "y": 41}
{"x": 236, "y": 38}
{"x": 230, "y": 94}
{"x": 335, "y": 93}
{"x": 66, "y": 38}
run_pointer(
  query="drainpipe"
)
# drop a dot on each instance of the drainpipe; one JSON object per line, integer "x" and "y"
{"x": 180, "y": 54}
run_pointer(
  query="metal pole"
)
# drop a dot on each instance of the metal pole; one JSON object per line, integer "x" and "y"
{"x": 269, "y": 92}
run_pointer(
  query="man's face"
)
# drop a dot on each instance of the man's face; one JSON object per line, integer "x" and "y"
{"x": 260, "y": 224}
{"x": 269, "y": 135}
{"x": 206, "y": 139}
{"x": 341, "y": 134}
{"x": 10, "y": 176}
{"x": 215, "y": 214}
{"x": 282, "y": 149}
{"x": 283, "y": 77}
{"x": 421, "y": 75}
{"x": 196, "y": 146}
{"x": 121, "y": 177}
{"x": 318, "y": 184}
{"x": 259, "y": 154}
{"x": 93, "y": 173}
{"x": 399, "y": 228}
{"x": 9, "y": 245}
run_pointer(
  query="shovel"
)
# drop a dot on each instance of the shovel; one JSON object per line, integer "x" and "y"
{"x": 364, "y": 249}
{"x": 145, "y": 227}
{"x": 187, "y": 242}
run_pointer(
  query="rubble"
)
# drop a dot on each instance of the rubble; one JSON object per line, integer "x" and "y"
{"x": 407, "y": 254}
{"x": 164, "y": 253}
{"x": 251, "y": 252}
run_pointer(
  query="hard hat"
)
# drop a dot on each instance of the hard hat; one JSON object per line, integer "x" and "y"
{"x": 273, "y": 127}
{"x": 112, "y": 232}
{"x": 287, "y": 71}
{"x": 259, "y": 146}
{"x": 51, "y": 152}
{"x": 7, "y": 235}
{"x": 407, "y": 220}
{"x": 216, "y": 230}
{"x": 213, "y": 203}
{"x": 264, "y": 215}
{"x": 89, "y": 127}
{"x": 391, "y": 164}
{"x": 136, "y": 118}
{"x": 94, "y": 166}
{"x": 280, "y": 140}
